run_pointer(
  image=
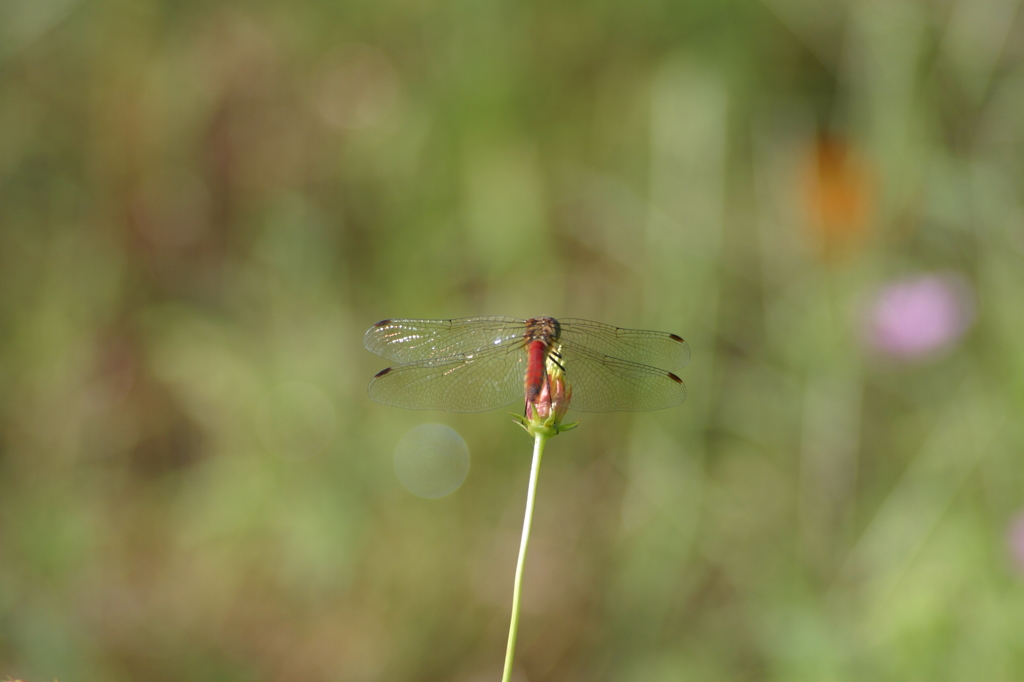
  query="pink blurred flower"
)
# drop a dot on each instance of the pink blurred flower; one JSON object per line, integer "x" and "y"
{"x": 1015, "y": 541}
{"x": 920, "y": 316}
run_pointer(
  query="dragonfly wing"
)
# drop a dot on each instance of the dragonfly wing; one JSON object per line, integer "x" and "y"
{"x": 656, "y": 349}
{"x": 461, "y": 383}
{"x": 419, "y": 340}
{"x": 601, "y": 383}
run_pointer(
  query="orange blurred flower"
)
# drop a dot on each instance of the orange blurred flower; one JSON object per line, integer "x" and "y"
{"x": 838, "y": 200}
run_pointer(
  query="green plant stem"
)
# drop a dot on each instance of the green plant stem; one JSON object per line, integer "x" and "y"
{"x": 539, "y": 439}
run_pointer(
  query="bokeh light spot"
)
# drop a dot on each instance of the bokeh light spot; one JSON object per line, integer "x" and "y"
{"x": 431, "y": 461}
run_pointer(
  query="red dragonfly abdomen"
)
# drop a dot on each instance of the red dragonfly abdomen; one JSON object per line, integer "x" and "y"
{"x": 536, "y": 363}
{"x": 541, "y": 332}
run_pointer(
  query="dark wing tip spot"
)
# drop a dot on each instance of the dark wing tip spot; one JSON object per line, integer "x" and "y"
{"x": 671, "y": 376}
{"x": 383, "y": 323}
{"x": 676, "y": 338}
{"x": 388, "y": 369}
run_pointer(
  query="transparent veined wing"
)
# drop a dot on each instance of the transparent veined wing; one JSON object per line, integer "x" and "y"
{"x": 656, "y": 349}
{"x": 403, "y": 340}
{"x": 602, "y": 383}
{"x": 457, "y": 383}
{"x": 479, "y": 363}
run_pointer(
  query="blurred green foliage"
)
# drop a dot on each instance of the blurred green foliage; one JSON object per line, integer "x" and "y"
{"x": 204, "y": 205}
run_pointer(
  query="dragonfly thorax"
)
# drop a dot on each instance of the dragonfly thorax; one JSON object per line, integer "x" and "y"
{"x": 544, "y": 329}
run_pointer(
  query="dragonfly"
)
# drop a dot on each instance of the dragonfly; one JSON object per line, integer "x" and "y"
{"x": 475, "y": 364}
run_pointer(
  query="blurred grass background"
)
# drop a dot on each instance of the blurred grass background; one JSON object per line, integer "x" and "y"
{"x": 204, "y": 205}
